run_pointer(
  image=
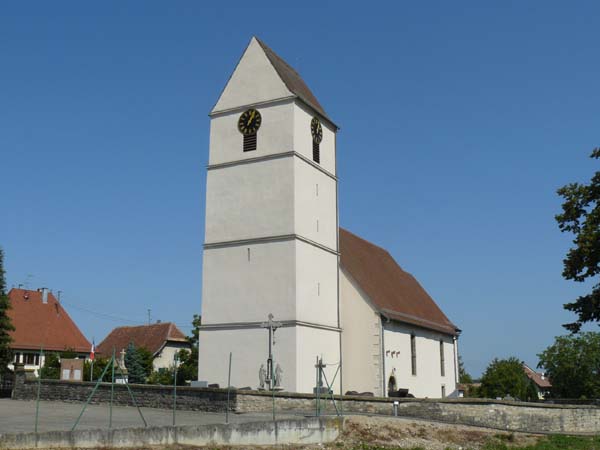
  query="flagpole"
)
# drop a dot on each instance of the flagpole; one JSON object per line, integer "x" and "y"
{"x": 92, "y": 357}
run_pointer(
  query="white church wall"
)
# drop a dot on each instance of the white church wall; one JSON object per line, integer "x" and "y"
{"x": 428, "y": 381}
{"x": 313, "y": 342}
{"x": 303, "y": 138}
{"x": 250, "y": 201}
{"x": 315, "y": 205}
{"x": 254, "y": 80}
{"x": 361, "y": 339}
{"x": 316, "y": 285}
{"x": 249, "y": 347}
{"x": 275, "y": 134}
{"x": 247, "y": 282}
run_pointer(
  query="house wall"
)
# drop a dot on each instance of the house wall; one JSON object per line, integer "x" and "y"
{"x": 165, "y": 358}
{"x": 428, "y": 380}
{"x": 361, "y": 339}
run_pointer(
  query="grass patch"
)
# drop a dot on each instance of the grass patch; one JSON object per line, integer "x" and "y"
{"x": 553, "y": 443}
{"x": 546, "y": 443}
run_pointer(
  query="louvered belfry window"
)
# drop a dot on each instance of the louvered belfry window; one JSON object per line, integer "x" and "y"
{"x": 316, "y": 152}
{"x": 249, "y": 142}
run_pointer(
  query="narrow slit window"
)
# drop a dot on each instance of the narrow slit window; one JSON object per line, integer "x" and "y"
{"x": 442, "y": 359}
{"x": 248, "y": 253}
{"x": 413, "y": 354}
{"x": 318, "y": 289}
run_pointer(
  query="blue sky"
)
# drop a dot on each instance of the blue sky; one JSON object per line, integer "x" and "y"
{"x": 458, "y": 123}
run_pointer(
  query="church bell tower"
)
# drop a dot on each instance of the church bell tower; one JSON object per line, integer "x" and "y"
{"x": 271, "y": 242}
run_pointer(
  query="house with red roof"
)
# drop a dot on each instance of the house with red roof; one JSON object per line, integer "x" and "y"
{"x": 542, "y": 383}
{"x": 162, "y": 339}
{"x": 40, "y": 321}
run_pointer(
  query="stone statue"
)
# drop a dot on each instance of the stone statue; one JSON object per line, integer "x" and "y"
{"x": 278, "y": 375}
{"x": 262, "y": 375}
{"x": 392, "y": 386}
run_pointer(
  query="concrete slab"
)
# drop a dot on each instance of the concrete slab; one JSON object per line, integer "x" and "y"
{"x": 18, "y": 416}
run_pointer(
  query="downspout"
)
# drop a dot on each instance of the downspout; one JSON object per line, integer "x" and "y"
{"x": 456, "y": 368}
{"x": 337, "y": 231}
{"x": 383, "y": 383}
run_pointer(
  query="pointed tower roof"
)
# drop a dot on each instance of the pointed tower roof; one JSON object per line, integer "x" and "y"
{"x": 293, "y": 80}
{"x": 261, "y": 75}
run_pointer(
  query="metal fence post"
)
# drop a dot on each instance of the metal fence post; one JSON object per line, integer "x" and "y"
{"x": 39, "y": 387}
{"x": 228, "y": 390}
{"x": 90, "y": 396}
{"x": 176, "y": 360}
{"x": 112, "y": 389}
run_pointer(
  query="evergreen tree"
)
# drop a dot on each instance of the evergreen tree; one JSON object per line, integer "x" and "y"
{"x": 134, "y": 365}
{"x": 463, "y": 376}
{"x": 6, "y": 326}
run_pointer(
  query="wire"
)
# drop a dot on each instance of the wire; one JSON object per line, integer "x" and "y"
{"x": 99, "y": 314}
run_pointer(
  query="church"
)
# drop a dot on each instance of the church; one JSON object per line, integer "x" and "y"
{"x": 301, "y": 303}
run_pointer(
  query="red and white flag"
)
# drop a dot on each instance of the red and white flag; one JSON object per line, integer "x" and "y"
{"x": 92, "y": 351}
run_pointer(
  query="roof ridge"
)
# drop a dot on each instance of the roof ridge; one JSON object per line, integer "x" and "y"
{"x": 266, "y": 48}
{"x": 293, "y": 80}
{"x": 371, "y": 243}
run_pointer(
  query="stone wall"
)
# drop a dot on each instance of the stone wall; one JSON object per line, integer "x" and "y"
{"x": 193, "y": 399}
{"x": 502, "y": 415}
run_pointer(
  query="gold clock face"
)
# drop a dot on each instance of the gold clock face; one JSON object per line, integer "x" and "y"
{"x": 316, "y": 130}
{"x": 249, "y": 122}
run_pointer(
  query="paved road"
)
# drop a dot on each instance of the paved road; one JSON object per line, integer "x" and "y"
{"x": 17, "y": 416}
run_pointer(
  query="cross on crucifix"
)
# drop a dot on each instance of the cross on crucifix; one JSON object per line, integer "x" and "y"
{"x": 271, "y": 325}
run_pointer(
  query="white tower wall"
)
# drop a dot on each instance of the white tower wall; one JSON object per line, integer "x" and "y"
{"x": 271, "y": 235}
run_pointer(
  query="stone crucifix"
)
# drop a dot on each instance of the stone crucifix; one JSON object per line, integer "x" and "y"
{"x": 272, "y": 326}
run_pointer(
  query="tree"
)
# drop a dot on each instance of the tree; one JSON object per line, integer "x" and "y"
{"x": 463, "y": 375}
{"x": 188, "y": 367}
{"x": 99, "y": 365}
{"x": 146, "y": 360}
{"x": 136, "y": 372}
{"x": 573, "y": 365}
{"x": 51, "y": 368}
{"x": 581, "y": 216}
{"x": 505, "y": 377}
{"x": 6, "y": 326}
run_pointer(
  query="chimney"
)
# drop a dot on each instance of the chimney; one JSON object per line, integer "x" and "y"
{"x": 44, "y": 295}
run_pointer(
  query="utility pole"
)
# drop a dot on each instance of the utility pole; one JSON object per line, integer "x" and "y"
{"x": 272, "y": 326}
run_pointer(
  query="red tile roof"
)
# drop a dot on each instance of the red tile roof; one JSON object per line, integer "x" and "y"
{"x": 394, "y": 292}
{"x": 537, "y": 378}
{"x": 293, "y": 80}
{"x": 151, "y": 337}
{"x": 38, "y": 324}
